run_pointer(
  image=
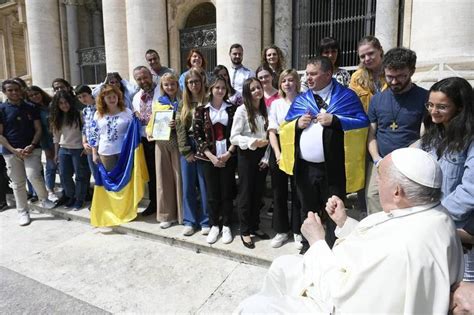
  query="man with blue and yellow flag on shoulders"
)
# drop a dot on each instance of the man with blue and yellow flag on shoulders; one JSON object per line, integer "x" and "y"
{"x": 323, "y": 141}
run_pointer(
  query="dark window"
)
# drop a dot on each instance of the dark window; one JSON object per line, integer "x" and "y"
{"x": 346, "y": 20}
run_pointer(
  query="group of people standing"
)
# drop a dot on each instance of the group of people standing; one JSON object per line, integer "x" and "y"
{"x": 313, "y": 135}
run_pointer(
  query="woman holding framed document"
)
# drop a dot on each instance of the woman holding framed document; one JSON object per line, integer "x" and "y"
{"x": 162, "y": 129}
{"x": 212, "y": 124}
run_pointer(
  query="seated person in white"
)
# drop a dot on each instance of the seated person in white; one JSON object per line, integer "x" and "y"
{"x": 401, "y": 260}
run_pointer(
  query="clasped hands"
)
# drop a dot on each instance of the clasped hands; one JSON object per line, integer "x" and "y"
{"x": 313, "y": 229}
{"x": 23, "y": 153}
{"x": 325, "y": 119}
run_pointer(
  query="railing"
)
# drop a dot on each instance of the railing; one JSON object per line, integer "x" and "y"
{"x": 347, "y": 21}
{"x": 443, "y": 70}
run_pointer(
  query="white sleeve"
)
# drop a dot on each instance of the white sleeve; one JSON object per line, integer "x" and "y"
{"x": 272, "y": 116}
{"x": 236, "y": 134}
{"x": 347, "y": 228}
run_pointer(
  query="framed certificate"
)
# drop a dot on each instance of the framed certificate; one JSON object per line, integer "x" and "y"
{"x": 161, "y": 129}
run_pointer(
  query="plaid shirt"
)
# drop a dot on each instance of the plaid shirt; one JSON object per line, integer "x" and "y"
{"x": 88, "y": 115}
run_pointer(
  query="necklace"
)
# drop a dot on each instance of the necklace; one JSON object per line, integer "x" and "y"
{"x": 394, "y": 124}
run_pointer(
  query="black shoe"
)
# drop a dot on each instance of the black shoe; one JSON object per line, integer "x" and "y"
{"x": 151, "y": 209}
{"x": 261, "y": 235}
{"x": 34, "y": 199}
{"x": 3, "y": 206}
{"x": 70, "y": 203}
{"x": 249, "y": 245}
{"x": 62, "y": 201}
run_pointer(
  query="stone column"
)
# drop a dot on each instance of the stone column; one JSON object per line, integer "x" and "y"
{"x": 146, "y": 29}
{"x": 242, "y": 19}
{"x": 386, "y": 23}
{"x": 97, "y": 26}
{"x": 73, "y": 40}
{"x": 442, "y": 31}
{"x": 284, "y": 27}
{"x": 44, "y": 41}
{"x": 115, "y": 36}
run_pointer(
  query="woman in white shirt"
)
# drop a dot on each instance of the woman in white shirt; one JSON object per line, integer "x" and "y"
{"x": 66, "y": 125}
{"x": 249, "y": 134}
{"x": 289, "y": 84}
{"x": 109, "y": 126}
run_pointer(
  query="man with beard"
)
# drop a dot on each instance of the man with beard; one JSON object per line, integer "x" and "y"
{"x": 395, "y": 116}
{"x": 238, "y": 72}
{"x": 142, "y": 107}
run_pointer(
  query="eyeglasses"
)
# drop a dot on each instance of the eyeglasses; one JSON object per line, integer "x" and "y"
{"x": 437, "y": 107}
{"x": 194, "y": 82}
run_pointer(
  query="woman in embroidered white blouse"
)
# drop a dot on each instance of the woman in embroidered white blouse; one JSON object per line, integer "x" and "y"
{"x": 109, "y": 126}
{"x": 249, "y": 134}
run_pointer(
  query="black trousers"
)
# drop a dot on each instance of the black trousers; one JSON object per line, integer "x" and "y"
{"x": 149, "y": 149}
{"x": 280, "y": 220}
{"x": 3, "y": 180}
{"x": 220, "y": 189}
{"x": 251, "y": 188}
{"x": 311, "y": 184}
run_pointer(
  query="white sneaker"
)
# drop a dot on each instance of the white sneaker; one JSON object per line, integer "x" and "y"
{"x": 188, "y": 230}
{"x": 166, "y": 224}
{"x": 298, "y": 240}
{"x": 213, "y": 234}
{"x": 48, "y": 204}
{"x": 24, "y": 218}
{"x": 205, "y": 230}
{"x": 226, "y": 235}
{"x": 279, "y": 239}
{"x": 52, "y": 196}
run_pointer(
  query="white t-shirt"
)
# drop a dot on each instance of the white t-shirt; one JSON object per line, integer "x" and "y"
{"x": 276, "y": 116}
{"x": 311, "y": 143}
{"x": 109, "y": 131}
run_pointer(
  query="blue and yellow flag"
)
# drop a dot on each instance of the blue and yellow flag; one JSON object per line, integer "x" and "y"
{"x": 118, "y": 192}
{"x": 346, "y": 106}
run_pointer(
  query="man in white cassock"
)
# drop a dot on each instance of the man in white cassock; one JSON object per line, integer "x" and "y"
{"x": 401, "y": 260}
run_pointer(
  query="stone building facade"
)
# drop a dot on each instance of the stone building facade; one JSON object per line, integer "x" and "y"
{"x": 81, "y": 40}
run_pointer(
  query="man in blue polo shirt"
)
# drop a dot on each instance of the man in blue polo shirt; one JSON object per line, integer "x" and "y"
{"x": 395, "y": 116}
{"x": 20, "y": 132}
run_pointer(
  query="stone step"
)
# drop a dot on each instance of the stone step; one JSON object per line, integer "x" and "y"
{"x": 148, "y": 227}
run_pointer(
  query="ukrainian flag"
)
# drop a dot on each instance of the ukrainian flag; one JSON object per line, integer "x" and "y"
{"x": 346, "y": 106}
{"x": 118, "y": 192}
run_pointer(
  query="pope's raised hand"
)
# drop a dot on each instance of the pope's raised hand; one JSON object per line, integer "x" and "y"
{"x": 336, "y": 210}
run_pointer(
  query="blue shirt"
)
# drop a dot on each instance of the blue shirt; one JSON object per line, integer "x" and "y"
{"x": 406, "y": 110}
{"x": 18, "y": 124}
{"x": 458, "y": 186}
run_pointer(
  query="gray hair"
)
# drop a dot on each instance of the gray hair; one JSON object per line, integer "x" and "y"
{"x": 415, "y": 193}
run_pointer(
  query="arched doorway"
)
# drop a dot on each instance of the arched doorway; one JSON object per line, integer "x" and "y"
{"x": 200, "y": 32}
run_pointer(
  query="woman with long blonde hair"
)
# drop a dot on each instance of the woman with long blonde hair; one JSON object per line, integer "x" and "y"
{"x": 369, "y": 78}
{"x": 194, "y": 95}
{"x": 168, "y": 171}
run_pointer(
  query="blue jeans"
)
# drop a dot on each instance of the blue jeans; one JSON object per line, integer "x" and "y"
{"x": 92, "y": 165}
{"x": 192, "y": 180}
{"x": 50, "y": 174}
{"x": 72, "y": 161}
